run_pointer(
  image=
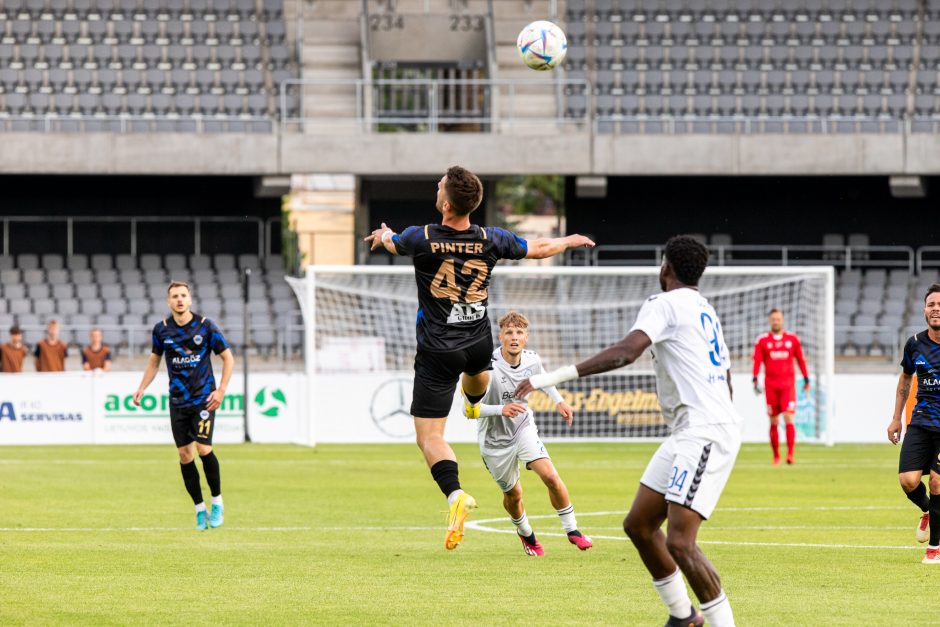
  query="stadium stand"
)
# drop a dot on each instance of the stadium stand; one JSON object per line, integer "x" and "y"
{"x": 130, "y": 65}
{"x": 124, "y": 296}
{"x": 716, "y": 66}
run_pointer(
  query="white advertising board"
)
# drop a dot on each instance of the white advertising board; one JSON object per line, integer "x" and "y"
{"x": 98, "y": 408}
{"x": 45, "y": 408}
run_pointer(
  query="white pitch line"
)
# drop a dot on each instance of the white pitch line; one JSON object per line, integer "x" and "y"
{"x": 124, "y": 529}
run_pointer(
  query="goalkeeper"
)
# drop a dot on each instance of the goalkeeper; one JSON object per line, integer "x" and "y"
{"x": 508, "y": 435}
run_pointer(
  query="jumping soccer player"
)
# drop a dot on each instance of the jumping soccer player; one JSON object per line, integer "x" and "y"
{"x": 508, "y": 435}
{"x": 186, "y": 339}
{"x": 921, "y": 446}
{"x": 682, "y": 483}
{"x": 453, "y": 261}
{"x": 777, "y": 350}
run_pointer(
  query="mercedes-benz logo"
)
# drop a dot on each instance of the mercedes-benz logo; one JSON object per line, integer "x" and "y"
{"x": 391, "y": 408}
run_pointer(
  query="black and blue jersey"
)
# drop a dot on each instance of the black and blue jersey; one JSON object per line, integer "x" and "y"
{"x": 188, "y": 360}
{"x": 452, "y": 269}
{"x": 922, "y": 357}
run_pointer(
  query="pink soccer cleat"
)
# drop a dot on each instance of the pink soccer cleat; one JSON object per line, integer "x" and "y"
{"x": 581, "y": 541}
{"x": 932, "y": 557}
{"x": 923, "y": 528}
{"x": 531, "y": 546}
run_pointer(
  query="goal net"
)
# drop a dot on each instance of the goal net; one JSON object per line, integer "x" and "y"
{"x": 360, "y": 322}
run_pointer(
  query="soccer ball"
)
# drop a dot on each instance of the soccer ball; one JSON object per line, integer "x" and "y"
{"x": 542, "y": 45}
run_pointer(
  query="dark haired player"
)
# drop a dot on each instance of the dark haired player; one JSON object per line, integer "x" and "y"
{"x": 921, "y": 446}
{"x": 453, "y": 261}
{"x": 682, "y": 483}
{"x": 186, "y": 339}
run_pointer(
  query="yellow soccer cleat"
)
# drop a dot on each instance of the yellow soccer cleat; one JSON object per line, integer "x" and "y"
{"x": 457, "y": 516}
{"x": 470, "y": 410}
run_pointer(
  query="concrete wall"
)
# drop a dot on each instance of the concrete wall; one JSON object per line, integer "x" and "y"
{"x": 524, "y": 151}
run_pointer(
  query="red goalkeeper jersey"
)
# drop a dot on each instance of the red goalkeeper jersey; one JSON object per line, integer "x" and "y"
{"x": 777, "y": 354}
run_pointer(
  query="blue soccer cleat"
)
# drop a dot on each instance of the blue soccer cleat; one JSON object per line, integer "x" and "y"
{"x": 216, "y": 518}
{"x": 202, "y": 520}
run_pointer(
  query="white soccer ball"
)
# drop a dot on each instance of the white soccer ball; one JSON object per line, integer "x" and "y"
{"x": 542, "y": 44}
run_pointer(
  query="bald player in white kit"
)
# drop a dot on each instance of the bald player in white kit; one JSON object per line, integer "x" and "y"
{"x": 685, "y": 478}
{"x": 508, "y": 435}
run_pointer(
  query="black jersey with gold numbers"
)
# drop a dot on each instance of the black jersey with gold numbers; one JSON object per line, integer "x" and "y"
{"x": 452, "y": 269}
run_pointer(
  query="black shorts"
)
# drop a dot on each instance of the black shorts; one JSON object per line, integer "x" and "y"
{"x": 920, "y": 450}
{"x": 436, "y": 376}
{"x": 192, "y": 424}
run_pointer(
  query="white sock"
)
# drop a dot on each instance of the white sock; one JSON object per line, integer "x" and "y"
{"x": 672, "y": 591}
{"x": 217, "y": 500}
{"x": 201, "y": 507}
{"x": 453, "y": 496}
{"x": 522, "y": 525}
{"x": 718, "y": 611}
{"x": 568, "y": 521}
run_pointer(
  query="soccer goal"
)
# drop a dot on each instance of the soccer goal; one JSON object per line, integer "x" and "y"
{"x": 360, "y": 339}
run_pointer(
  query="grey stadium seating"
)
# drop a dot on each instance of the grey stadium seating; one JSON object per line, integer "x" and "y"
{"x": 726, "y": 66}
{"x": 126, "y": 306}
{"x": 153, "y": 66}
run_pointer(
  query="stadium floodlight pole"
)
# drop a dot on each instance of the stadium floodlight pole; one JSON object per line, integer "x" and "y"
{"x": 246, "y": 340}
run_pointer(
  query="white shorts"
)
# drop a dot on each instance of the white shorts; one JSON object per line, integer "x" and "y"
{"x": 503, "y": 463}
{"x": 692, "y": 466}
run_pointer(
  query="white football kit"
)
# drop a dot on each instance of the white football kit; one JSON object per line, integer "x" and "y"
{"x": 691, "y": 362}
{"x": 504, "y": 442}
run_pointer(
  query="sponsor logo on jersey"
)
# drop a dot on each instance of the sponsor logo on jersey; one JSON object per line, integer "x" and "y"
{"x": 779, "y": 354}
{"x": 929, "y": 382}
{"x": 167, "y": 341}
{"x": 188, "y": 360}
{"x": 466, "y": 312}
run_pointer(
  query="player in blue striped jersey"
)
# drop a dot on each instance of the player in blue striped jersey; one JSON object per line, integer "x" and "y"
{"x": 187, "y": 340}
{"x": 920, "y": 451}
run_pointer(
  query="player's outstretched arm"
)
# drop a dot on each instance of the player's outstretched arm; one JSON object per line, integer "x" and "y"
{"x": 900, "y": 399}
{"x": 382, "y": 237}
{"x": 550, "y": 246}
{"x": 621, "y": 354}
{"x": 153, "y": 363}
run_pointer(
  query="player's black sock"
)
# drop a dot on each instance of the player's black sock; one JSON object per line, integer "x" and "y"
{"x": 575, "y": 533}
{"x": 445, "y": 473}
{"x": 935, "y": 520}
{"x": 918, "y": 497}
{"x": 191, "y": 479}
{"x": 530, "y": 539}
{"x": 210, "y": 466}
{"x": 473, "y": 398}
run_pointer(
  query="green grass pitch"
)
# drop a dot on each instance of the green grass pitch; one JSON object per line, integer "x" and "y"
{"x": 353, "y": 535}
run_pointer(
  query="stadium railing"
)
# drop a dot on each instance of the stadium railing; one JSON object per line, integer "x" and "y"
{"x": 427, "y": 104}
{"x": 843, "y": 257}
{"x": 266, "y": 229}
{"x": 67, "y": 123}
{"x": 747, "y": 125}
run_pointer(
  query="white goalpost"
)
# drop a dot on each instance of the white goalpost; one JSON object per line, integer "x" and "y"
{"x": 360, "y": 335}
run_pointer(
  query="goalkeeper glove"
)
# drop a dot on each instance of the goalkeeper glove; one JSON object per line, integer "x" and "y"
{"x": 757, "y": 388}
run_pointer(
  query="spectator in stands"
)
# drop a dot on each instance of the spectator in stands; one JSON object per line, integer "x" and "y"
{"x": 97, "y": 355}
{"x": 13, "y": 352}
{"x": 50, "y": 351}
